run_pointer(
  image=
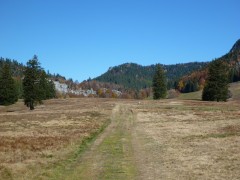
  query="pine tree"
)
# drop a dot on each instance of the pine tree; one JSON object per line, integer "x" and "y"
{"x": 8, "y": 88}
{"x": 43, "y": 85}
{"x": 216, "y": 88}
{"x": 31, "y": 90}
{"x": 19, "y": 85}
{"x": 51, "y": 93}
{"x": 159, "y": 83}
{"x": 46, "y": 87}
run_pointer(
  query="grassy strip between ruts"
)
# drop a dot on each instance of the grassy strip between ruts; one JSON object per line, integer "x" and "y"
{"x": 88, "y": 140}
{"x": 118, "y": 153}
{"x": 64, "y": 167}
{"x": 113, "y": 158}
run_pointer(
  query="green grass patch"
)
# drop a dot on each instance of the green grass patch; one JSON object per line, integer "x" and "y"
{"x": 191, "y": 96}
{"x": 88, "y": 140}
{"x": 5, "y": 173}
{"x": 118, "y": 152}
{"x": 113, "y": 158}
{"x": 235, "y": 90}
{"x": 63, "y": 168}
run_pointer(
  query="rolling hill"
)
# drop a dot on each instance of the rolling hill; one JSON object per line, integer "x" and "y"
{"x": 197, "y": 78}
{"x": 134, "y": 76}
{"x": 186, "y": 77}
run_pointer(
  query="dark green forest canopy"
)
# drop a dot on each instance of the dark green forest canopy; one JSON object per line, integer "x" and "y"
{"x": 135, "y": 76}
{"x": 216, "y": 87}
{"x": 8, "y": 87}
{"x": 15, "y": 67}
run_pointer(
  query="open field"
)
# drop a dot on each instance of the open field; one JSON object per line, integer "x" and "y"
{"x": 167, "y": 139}
{"x": 31, "y": 141}
{"x": 235, "y": 89}
{"x": 189, "y": 140}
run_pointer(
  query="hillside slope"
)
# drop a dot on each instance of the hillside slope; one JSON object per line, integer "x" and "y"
{"x": 186, "y": 77}
{"x": 195, "y": 81}
{"x": 134, "y": 76}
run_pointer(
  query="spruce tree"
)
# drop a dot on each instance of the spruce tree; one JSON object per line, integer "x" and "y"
{"x": 31, "y": 87}
{"x": 51, "y": 93}
{"x": 43, "y": 85}
{"x": 8, "y": 88}
{"x": 159, "y": 83}
{"x": 46, "y": 87}
{"x": 216, "y": 87}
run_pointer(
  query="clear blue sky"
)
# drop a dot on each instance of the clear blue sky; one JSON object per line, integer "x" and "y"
{"x": 83, "y": 38}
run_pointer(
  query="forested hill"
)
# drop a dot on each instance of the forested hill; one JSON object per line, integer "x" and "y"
{"x": 186, "y": 77}
{"x": 135, "y": 76}
{"x": 196, "y": 80}
{"x": 16, "y": 67}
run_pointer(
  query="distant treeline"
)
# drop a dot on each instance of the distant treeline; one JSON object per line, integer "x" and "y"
{"x": 135, "y": 81}
{"x": 134, "y": 76}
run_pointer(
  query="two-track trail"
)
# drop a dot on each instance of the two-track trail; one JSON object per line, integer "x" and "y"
{"x": 111, "y": 156}
{"x": 119, "y": 152}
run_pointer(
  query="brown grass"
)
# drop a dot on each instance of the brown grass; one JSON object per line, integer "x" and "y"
{"x": 189, "y": 140}
{"x": 47, "y": 135}
{"x": 169, "y": 139}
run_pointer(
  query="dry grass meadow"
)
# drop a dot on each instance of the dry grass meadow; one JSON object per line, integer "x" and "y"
{"x": 167, "y": 139}
{"x": 189, "y": 140}
{"x": 31, "y": 141}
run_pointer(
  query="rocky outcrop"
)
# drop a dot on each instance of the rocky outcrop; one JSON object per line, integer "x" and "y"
{"x": 64, "y": 89}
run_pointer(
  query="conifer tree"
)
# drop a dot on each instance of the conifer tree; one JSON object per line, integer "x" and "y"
{"x": 46, "y": 87}
{"x": 216, "y": 88}
{"x": 36, "y": 85}
{"x": 51, "y": 93}
{"x": 8, "y": 88}
{"x": 159, "y": 83}
{"x": 31, "y": 90}
{"x": 43, "y": 85}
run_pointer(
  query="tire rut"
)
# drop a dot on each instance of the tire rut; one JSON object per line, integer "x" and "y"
{"x": 111, "y": 156}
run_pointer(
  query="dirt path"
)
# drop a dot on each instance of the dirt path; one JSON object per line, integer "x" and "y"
{"x": 122, "y": 151}
{"x": 112, "y": 154}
